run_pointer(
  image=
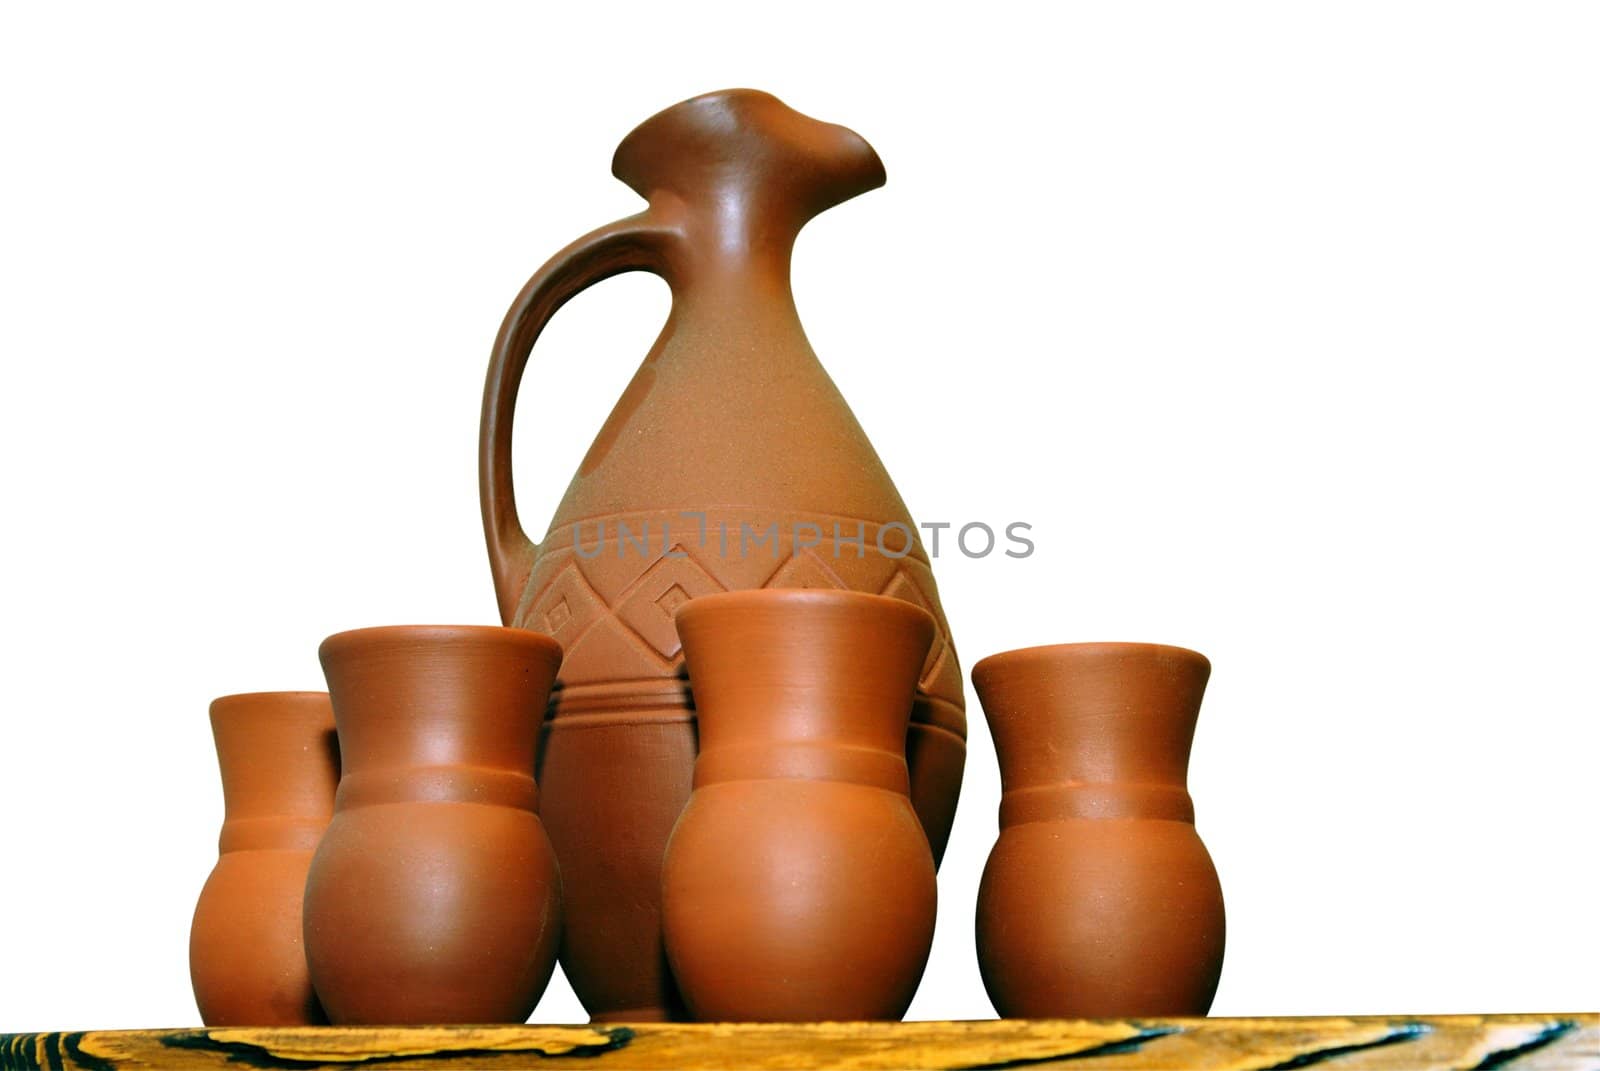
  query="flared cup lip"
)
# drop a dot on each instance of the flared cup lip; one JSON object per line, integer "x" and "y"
{"x": 273, "y": 693}
{"x": 1069, "y": 652}
{"x": 378, "y": 636}
{"x": 269, "y": 705}
{"x": 801, "y": 598}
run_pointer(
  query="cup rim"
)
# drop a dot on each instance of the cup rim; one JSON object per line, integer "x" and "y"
{"x": 381, "y": 635}
{"x": 271, "y": 693}
{"x": 271, "y": 706}
{"x": 1065, "y": 652}
{"x": 799, "y": 597}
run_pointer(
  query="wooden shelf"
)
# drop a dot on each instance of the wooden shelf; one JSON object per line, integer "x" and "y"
{"x": 1481, "y": 1042}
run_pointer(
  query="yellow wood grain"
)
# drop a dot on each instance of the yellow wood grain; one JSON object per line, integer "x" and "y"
{"x": 1476, "y": 1042}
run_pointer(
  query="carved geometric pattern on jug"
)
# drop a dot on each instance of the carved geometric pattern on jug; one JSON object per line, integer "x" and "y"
{"x": 613, "y": 603}
{"x": 649, "y": 604}
{"x": 902, "y": 586}
{"x": 718, "y": 532}
{"x": 612, "y": 651}
{"x": 565, "y": 609}
{"x": 943, "y": 678}
{"x": 805, "y": 570}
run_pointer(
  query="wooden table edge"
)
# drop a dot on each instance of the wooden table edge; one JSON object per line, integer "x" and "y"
{"x": 1519, "y": 1042}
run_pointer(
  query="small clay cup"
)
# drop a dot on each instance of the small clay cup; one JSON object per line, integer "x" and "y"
{"x": 280, "y": 766}
{"x": 798, "y": 884}
{"x": 1098, "y": 900}
{"x": 434, "y": 896}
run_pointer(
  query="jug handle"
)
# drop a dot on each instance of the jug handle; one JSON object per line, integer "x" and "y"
{"x": 637, "y": 243}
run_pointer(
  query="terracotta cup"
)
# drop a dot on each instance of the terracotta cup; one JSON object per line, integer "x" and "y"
{"x": 798, "y": 884}
{"x": 434, "y": 896}
{"x": 1098, "y": 900}
{"x": 280, "y": 766}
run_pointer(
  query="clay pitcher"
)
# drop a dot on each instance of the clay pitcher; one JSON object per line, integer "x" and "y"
{"x": 434, "y": 895}
{"x": 798, "y": 884}
{"x": 280, "y": 766}
{"x": 1098, "y": 900}
{"x": 730, "y": 462}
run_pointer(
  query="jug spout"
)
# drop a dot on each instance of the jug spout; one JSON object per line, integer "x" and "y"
{"x": 746, "y": 163}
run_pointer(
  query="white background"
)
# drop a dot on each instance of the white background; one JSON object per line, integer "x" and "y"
{"x": 1278, "y": 322}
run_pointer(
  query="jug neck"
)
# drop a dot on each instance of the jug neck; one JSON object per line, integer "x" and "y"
{"x": 730, "y": 244}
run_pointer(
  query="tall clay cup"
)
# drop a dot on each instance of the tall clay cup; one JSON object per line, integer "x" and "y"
{"x": 798, "y": 884}
{"x": 280, "y": 766}
{"x": 1099, "y": 900}
{"x": 434, "y": 896}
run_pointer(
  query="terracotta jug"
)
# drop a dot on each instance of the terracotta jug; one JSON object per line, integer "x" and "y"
{"x": 730, "y": 462}
{"x": 280, "y": 766}
{"x": 434, "y": 895}
{"x": 1098, "y": 900}
{"x": 798, "y": 884}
